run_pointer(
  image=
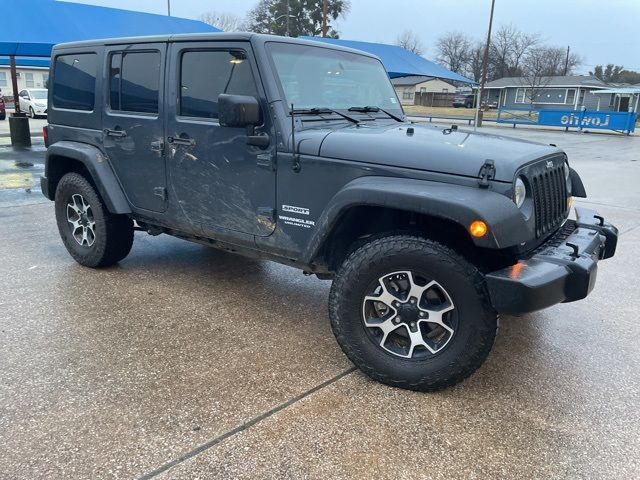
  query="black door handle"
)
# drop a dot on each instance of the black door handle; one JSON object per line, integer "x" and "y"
{"x": 115, "y": 133}
{"x": 182, "y": 141}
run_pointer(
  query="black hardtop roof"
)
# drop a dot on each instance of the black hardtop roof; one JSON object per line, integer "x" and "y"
{"x": 203, "y": 37}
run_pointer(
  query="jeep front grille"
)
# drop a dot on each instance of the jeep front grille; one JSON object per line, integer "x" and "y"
{"x": 549, "y": 190}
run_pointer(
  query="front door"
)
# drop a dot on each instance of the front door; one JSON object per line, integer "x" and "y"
{"x": 216, "y": 178}
{"x": 133, "y": 129}
{"x": 624, "y": 104}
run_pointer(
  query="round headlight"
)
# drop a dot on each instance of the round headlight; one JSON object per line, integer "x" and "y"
{"x": 519, "y": 192}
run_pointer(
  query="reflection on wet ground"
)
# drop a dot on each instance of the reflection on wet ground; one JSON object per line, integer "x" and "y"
{"x": 20, "y": 172}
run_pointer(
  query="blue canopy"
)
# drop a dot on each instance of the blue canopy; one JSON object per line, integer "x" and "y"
{"x": 397, "y": 61}
{"x": 33, "y": 27}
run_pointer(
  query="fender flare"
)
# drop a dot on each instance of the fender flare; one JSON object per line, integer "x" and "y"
{"x": 457, "y": 203}
{"x": 98, "y": 167}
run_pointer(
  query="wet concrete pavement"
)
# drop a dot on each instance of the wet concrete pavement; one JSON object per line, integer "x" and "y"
{"x": 186, "y": 362}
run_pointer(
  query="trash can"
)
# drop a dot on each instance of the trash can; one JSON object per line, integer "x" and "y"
{"x": 19, "y": 128}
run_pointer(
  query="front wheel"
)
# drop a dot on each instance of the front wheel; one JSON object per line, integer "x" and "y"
{"x": 92, "y": 235}
{"x": 32, "y": 112}
{"x": 412, "y": 313}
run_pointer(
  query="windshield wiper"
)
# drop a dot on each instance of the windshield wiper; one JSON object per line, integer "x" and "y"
{"x": 375, "y": 109}
{"x": 317, "y": 111}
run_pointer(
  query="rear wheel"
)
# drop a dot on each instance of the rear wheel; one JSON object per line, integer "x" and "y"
{"x": 93, "y": 236}
{"x": 411, "y": 313}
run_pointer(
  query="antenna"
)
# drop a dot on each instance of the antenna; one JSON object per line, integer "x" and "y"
{"x": 294, "y": 149}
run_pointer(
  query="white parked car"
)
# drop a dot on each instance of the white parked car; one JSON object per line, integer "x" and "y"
{"x": 34, "y": 101}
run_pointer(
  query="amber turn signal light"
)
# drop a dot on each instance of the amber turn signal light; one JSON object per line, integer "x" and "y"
{"x": 478, "y": 228}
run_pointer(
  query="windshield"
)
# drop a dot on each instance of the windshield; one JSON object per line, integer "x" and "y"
{"x": 316, "y": 77}
{"x": 38, "y": 94}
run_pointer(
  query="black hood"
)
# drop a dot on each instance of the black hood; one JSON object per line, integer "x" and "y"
{"x": 428, "y": 148}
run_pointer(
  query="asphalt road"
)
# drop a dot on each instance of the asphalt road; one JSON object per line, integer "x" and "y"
{"x": 186, "y": 362}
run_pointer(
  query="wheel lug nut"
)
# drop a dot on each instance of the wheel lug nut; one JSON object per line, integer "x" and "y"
{"x": 422, "y": 314}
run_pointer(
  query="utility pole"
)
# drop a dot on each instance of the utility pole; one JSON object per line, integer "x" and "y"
{"x": 324, "y": 17}
{"x": 566, "y": 62}
{"x": 168, "y": 8}
{"x": 485, "y": 66}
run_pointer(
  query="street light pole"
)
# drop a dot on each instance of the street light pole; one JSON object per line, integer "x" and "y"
{"x": 168, "y": 8}
{"x": 485, "y": 66}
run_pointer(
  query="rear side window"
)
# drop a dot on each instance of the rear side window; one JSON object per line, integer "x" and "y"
{"x": 74, "y": 81}
{"x": 134, "y": 79}
{"x": 206, "y": 74}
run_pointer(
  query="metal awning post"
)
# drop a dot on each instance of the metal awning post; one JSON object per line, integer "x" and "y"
{"x": 18, "y": 122}
{"x": 14, "y": 84}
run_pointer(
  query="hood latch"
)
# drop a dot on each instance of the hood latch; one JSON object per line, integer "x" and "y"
{"x": 487, "y": 172}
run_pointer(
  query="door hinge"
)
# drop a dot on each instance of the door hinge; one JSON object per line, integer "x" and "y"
{"x": 487, "y": 172}
{"x": 266, "y": 160}
{"x": 157, "y": 147}
{"x": 160, "y": 192}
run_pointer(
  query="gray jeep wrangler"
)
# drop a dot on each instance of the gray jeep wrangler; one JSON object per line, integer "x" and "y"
{"x": 300, "y": 153}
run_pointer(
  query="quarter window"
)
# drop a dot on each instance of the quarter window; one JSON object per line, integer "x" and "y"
{"x": 134, "y": 80}
{"x": 206, "y": 74}
{"x": 74, "y": 81}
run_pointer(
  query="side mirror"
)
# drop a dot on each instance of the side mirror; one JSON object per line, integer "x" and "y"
{"x": 238, "y": 110}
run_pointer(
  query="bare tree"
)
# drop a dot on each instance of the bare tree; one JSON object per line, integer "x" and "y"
{"x": 535, "y": 73}
{"x": 474, "y": 62}
{"x": 227, "y": 22}
{"x": 409, "y": 40}
{"x": 453, "y": 51}
{"x": 522, "y": 43}
{"x": 509, "y": 45}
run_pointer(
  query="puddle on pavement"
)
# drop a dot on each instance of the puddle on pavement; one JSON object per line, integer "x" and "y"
{"x": 20, "y": 183}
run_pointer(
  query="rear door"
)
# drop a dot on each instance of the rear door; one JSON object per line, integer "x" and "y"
{"x": 133, "y": 128}
{"x": 217, "y": 179}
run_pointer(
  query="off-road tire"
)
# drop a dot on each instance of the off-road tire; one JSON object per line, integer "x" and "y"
{"x": 476, "y": 325}
{"x": 113, "y": 233}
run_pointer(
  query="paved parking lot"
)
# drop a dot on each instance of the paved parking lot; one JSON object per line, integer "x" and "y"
{"x": 186, "y": 362}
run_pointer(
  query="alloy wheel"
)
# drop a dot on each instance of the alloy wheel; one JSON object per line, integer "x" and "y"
{"x": 409, "y": 315}
{"x": 81, "y": 221}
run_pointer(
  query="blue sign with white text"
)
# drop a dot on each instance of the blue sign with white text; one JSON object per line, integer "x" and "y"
{"x": 580, "y": 119}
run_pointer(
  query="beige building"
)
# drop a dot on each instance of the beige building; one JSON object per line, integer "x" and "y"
{"x": 407, "y": 87}
{"x": 28, "y": 77}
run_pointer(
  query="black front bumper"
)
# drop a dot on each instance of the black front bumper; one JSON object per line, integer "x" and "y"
{"x": 563, "y": 269}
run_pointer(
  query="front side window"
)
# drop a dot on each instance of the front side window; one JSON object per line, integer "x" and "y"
{"x": 206, "y": 74}
{"x": 134, "y": 80}
{"x": 28, "y": 78}
{"x": 74, "y": 81}
{"x": 320, "y": 77}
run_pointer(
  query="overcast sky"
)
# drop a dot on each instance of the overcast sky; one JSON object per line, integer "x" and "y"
{"x": 600, "y": 31}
